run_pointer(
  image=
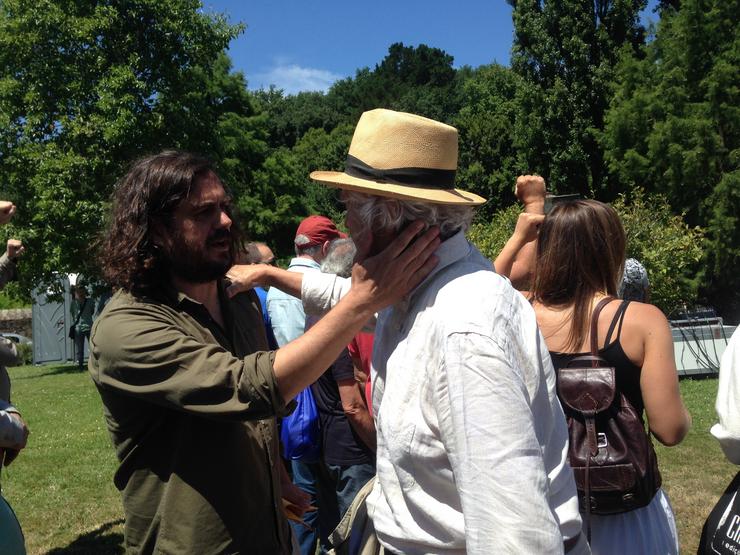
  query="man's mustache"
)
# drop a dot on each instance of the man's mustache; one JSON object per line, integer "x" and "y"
{"x": 219, "y": 235}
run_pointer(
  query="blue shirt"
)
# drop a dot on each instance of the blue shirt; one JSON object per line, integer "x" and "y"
{"x": 286, "y": 311}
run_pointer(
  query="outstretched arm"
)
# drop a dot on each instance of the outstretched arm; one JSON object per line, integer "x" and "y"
{"x": 377, "y": 282}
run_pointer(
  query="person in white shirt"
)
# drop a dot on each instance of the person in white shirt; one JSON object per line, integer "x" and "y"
{"x": 727, "y": 430}
{"x": 471, "y": 438}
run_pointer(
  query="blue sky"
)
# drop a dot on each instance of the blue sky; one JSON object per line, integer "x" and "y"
{"x": 307, "y": 45}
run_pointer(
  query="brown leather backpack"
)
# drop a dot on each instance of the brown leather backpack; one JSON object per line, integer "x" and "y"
{"x": 612, "y": 457}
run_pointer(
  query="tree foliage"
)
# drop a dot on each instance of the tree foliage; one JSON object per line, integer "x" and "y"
{"x": 669, "y": 249}
{"x": 87, "y": 86}
{"x": 673, "y": 127}
{"x": 489, "y": 159}
{"x": 565, "y": 52}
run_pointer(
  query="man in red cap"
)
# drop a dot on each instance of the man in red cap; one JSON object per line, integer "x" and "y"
{"x": 312, "y": 240}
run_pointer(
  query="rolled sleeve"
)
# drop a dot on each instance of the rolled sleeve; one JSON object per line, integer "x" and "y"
{"x": 11, "y": 429}
{"x": 146, "y": 354}
{"x": 488, "y": 428}
{"x": 320, "y": 292}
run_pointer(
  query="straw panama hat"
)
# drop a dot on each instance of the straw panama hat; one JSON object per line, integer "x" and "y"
{"x": 404, "y": 156}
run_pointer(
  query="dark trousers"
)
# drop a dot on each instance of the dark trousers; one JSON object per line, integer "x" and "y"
{"x": 80, "y": 346}
{"x": 336, "y": 488}
{"x": 304, "y": 476}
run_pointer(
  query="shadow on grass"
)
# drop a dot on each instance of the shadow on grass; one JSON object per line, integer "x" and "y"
{"x": 33, "y": 372}
{"x": 98, "y": 542}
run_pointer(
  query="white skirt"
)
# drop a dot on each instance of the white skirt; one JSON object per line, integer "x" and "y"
{"x": 649, "y": 530}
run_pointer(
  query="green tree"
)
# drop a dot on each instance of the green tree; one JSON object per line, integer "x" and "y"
{"x": 674, "y": 127}
{"x": 669, "y": 249}
{"x": 565, "y": 51}
{"x": 86, "y": 86}
{"x": 284, "y": 194}
{"x": 418, "y": 79}
{"x": 489, "y": 159}
{"x": 290, "y": 116}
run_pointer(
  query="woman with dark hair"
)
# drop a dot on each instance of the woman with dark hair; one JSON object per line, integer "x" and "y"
{"x": 580, "y": 259}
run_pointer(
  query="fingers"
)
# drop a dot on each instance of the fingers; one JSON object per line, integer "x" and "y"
{"x": 14, "y": 248}
{"x": 7, "y": 209}
{"x": 422, "y": 272}
{"x": 416, "y": 256}
{"x": 422, "y": 247}
{"x": 399, "y": 244}
{"x": 242, "y": 279}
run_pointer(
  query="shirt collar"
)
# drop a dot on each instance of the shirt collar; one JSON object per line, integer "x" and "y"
{"x": 306, "y": 262}
{"x": 450, "y": 251}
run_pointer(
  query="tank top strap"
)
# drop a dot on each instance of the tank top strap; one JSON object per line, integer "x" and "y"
{"x": 618, "y": 318}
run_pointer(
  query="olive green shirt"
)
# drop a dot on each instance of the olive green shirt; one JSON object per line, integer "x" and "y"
{"x": 191, "y": 410}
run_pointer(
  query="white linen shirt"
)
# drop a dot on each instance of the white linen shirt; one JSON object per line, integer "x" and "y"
{"x": 472, "y": 440}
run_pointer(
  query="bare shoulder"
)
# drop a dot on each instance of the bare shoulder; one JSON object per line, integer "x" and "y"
{"x": 644, "y": 316}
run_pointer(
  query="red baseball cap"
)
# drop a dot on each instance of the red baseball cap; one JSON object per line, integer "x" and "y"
{"x": 319, "y": 230}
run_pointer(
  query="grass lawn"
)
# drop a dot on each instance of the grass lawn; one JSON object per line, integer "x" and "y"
{"x": 62, "y": 491}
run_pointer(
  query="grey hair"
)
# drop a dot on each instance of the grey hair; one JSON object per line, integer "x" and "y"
{"x": 304, "y": 240}
{"x": 390, "y": 214}
{"x": 339, "y": 257}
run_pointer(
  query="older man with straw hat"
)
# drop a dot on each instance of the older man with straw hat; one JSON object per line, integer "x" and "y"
{"x": 471, "y": 439}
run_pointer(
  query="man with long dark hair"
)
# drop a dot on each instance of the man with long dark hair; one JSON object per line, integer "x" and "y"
{"x": 189, "y": 389}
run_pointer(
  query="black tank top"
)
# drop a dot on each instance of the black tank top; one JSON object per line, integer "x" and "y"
{"x": 627, "y": 374}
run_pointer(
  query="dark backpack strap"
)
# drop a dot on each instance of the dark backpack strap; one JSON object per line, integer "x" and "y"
{"x": 79, "y": 314}
{"x": 618, "y": 318}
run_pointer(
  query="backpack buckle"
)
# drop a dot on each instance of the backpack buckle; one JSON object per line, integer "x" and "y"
{"x": 601, "y": 441}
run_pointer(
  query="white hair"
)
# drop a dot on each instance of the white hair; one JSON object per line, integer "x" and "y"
{"x": 339, "y": 258}
{"x": 301, "y": 240}
{"x": 390, "y": 214}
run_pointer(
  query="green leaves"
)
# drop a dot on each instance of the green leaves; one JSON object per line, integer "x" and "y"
{"x": 674, "y": 124}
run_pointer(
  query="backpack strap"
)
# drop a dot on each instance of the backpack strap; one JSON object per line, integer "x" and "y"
{"x": 589, "y": 418}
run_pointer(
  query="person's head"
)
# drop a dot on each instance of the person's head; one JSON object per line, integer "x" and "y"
{"x": 80, "y": 292}
{"x": 266, "y": 254}
{"x": 171, "y": 218}
{"x": 635, "y": 285}
{"x": 313, "y": 236}
{"x": 400, "y": 167}
{"x": 339, "y": 258}
{"x": 373, "y": 221}
{"x": 580, "y": 254}
{"x": 255, "y": 253}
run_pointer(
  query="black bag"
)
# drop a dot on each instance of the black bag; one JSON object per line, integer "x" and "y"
{"x": 73, "y": 327}
{"x": 613, "y": 460}
{"x": 721, "y": 532}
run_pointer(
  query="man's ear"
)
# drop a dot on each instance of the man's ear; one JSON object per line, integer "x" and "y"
{"x": 325, "y": 248}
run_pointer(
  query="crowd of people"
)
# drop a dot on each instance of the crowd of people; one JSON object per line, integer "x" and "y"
{"x": 393, "y": 391}
{"x": 13, "y": 429}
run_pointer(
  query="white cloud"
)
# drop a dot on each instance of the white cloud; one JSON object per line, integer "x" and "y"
{"x": 293, "y": 78}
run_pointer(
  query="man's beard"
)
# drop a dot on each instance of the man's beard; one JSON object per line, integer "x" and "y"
{"x": 193, "y": 264}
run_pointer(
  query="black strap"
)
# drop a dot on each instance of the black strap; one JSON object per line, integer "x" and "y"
{"x": 618, "y": 318}
{"x": 428, "y": 178}
{"x": 79, "y": 314}
{"x": 595, "y": 327}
